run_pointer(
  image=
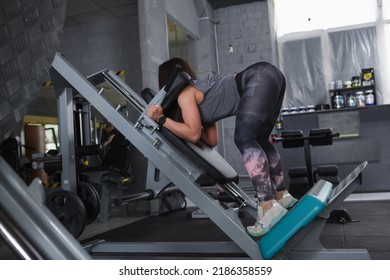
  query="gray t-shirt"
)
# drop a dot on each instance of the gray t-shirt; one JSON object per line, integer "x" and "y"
{"x": 221, "y": 97}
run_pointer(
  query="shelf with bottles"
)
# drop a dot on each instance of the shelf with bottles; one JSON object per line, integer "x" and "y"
{"x": 358, "y": 92}
{"x": 353, "y": 97}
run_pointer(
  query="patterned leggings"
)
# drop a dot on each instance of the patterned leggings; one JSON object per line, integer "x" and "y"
{"x": 261, "y": 88}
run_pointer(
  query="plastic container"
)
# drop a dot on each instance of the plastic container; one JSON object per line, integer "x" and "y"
{"x": 339, "y": 84}
{"x": 368, "y": 77}
{"x": 338, "y": 100}
{"x": 322, "y": 107}
{"x": 293, "y": 110}
{"x": 284, "y": 111}
{"x": 347, "y": 84}
{"x": 360, "y": 99}
{"x": 302, "y": 109}
{"x": 351, "y": 100}
{"x": 369, "y": 97}
{"x": 356, "y": 81}
{"x": 310, "y": 108}
{"x": 279, "y": 123}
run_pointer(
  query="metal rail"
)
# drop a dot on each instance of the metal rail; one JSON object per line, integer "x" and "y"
{"x": 30, "y": 228}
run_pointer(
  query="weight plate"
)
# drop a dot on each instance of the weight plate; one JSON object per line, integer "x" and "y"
{"x": 91, "y": 199}
{"x": 69, "y": 210}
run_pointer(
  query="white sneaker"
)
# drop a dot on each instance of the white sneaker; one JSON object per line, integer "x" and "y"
{"x": 267, "y": 220}
{"x": 287, "y": 201}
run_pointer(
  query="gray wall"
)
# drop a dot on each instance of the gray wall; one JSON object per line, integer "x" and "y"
{"x": 203, "y": 50}
{"x": 246, "y": 27}
{"x": 96, "y": 45}
{"x": 154, "y": 41}
{"x": 112, "y": 44}
{"x": 185, "y": 14}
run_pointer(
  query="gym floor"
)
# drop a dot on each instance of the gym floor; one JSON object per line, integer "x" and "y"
{"x": 369, "y": 228}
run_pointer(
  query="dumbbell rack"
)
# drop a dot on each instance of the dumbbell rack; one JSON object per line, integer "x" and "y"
{"x": 316, "y": 137}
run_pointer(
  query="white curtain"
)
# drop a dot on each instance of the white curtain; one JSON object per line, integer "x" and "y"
{"x": 383, "y": 35}
{"x": 312, "y": 58}
{"x": 301, "y": 60}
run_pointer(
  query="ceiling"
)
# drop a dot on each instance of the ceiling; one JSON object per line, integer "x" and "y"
{"x": 216, "y": 4}
{"x": 87, "y": 11}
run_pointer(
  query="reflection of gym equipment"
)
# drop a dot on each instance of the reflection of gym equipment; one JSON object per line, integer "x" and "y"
{"x": 114, "y": 174}
{"x": 111, "y": 169}
{"x": 75, "y": 209}
{"x": 185, "y": 165}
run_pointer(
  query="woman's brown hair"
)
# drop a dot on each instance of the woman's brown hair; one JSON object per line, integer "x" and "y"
{"x": 164, "y": 73}
{"x": 165, "y": 70}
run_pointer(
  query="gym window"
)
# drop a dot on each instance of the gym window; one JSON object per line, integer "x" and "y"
{"x": 327, "y": 40}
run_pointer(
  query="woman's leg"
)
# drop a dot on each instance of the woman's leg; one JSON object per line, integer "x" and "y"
{"x": 253, "y": 155}
{"x": 261, "y": 97}
{"x": 276, "y": 174}
{"x": 274, "y": 158}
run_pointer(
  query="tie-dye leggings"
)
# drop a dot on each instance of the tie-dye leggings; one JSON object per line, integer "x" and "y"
{"x": 262, "y": 88}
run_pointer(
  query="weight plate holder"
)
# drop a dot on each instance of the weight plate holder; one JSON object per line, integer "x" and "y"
{"x": 91, "y": 199}
{"x": 69, "y": 210}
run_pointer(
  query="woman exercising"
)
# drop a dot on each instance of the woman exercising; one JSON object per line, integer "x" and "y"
{"x": 255, "y": 97}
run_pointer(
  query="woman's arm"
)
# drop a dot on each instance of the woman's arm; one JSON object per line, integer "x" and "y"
{"x": 191, "y": 128}
{"x": 210, "y": 134}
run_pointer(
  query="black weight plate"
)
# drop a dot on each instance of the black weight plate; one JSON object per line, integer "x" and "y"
{"x": 69, "y": 210}
{"x": 91, "y": 200}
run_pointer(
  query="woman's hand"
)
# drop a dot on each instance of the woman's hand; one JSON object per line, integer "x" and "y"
{"x": 191, "y": 128}
{"x": 210, "y": 134}
{"x": 155, "y": 111}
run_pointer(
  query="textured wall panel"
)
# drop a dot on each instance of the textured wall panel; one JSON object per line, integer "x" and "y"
{"x": 29, "y": 37}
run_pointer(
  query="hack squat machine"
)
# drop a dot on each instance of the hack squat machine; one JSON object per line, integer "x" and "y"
{"x": 187, "y": 167}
